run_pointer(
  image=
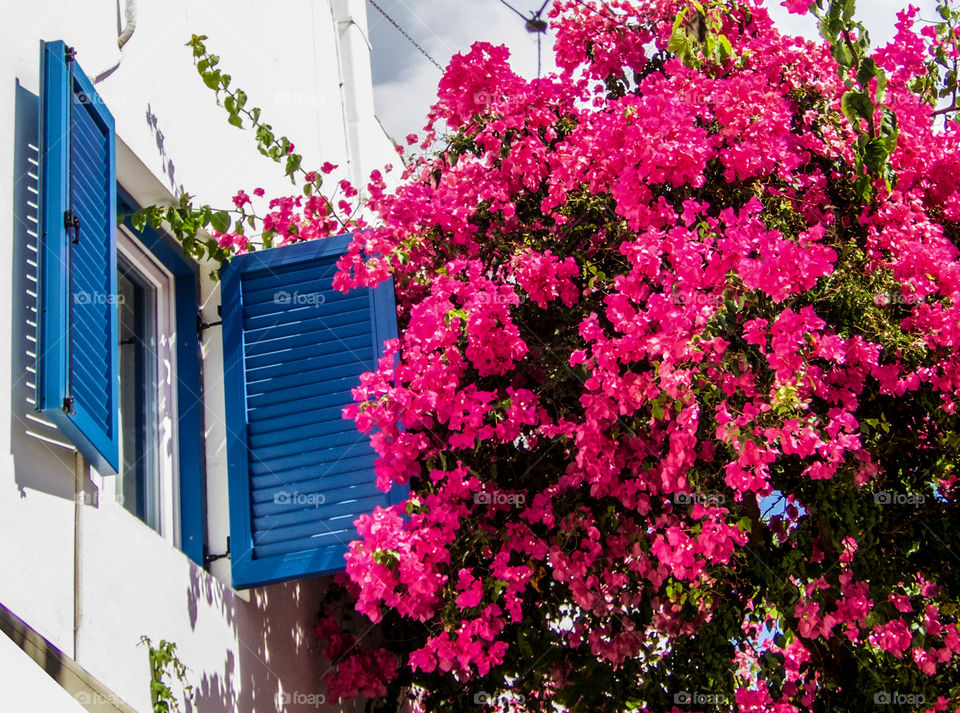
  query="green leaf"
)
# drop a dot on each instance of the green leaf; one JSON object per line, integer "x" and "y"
{"x": 220, "y": 221}
{"x": 856, "y": 105}
{"x": 264, "y": 134}
{"x": 725, "y": 47}
{"x": 881, "y": 85}
{"x": 849, "y": 8}
{"x": 866, "y": 71}
{"x": 679, "y": 44}
{"x": 842, "y": 54}
{"x": 863, "y": 187}
{"x": 889, "y": 129}
{"x": 212, "y": 79}
{"x": 235, "y": 120}
{"x": 293, "y": 163}
{"x": 680, "y": 19}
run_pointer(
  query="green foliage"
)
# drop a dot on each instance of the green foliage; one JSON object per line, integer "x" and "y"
{"x": 939, "y": 84}
{"x": 866, "y": 85}
{"x": 190, "y": 223}
{"x": 696, "y": 36}
{"x": 165, "y": 667}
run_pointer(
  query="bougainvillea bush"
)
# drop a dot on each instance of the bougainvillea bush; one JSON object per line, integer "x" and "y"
{"x": 676, "y": 389}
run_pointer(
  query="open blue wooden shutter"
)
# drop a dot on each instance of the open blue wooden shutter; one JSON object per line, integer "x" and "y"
{"x": 299, "y": 473}
{"x": 77, "y": 374}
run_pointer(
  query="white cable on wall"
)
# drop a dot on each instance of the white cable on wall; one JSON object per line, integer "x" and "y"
{"x": 79, "y": 498}
{"x": 130, "y": 24}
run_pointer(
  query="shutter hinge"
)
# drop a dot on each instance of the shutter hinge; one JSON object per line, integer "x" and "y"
{"x": 72, "y": 222}
{"x": 201, "y": 325}
{"x": 69, "y": 53}
{"x": 68, "y": 404}
{"x": 208, "y": 558}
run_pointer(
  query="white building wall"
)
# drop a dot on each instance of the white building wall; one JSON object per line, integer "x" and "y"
{"x": 291, "y": 58}
{"x": 27, "y": 686}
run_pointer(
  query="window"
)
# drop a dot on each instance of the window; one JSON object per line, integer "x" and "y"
{"x": 148, "y": 430}
{"x": 138, "y": 380}
{"x": 162, "y": 475}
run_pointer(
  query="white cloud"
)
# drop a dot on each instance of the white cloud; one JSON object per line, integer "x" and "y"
{"x": 405, "y": 82}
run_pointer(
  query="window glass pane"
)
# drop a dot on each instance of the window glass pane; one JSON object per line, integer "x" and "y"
{"x": 137, "y": 307}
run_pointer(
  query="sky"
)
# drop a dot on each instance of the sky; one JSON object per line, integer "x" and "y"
{"x": 405, "y": 82}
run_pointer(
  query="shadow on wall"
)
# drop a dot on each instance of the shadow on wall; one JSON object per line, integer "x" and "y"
{"x": 276, "y": 643}
{"x": 166, "y": 163}
{"x": 43, "y": 459}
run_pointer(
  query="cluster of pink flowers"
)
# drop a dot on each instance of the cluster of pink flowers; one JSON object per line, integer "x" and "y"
{"x": 359, "y": 670}
{"x": 629, "y": 276}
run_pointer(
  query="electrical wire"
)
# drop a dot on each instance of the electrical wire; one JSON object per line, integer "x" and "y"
{"x": 404, "y": 33}
{"x": 538, "y": 54}
{"x": 519, "y": 14}
{"x": 531, "y": 24}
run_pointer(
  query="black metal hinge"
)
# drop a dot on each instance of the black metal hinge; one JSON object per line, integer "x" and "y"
{"x": 72, "y": 222}
{"x": 68, "y": 404}
{"x": 69, "y": 53}
{"x": 208, "y": 558}
{"x": 201, "y": 325}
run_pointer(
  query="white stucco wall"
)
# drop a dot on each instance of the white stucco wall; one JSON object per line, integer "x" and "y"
{"x": 306, "y": 64}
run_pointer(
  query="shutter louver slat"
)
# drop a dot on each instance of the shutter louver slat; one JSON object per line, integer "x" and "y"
{"x": 263, "y": 476}
{"x": 332, "y": 445}
{"x": 302, "y": 309}
{"x": 292, "y": 388}
{"x": 293, "y": 351}
{"x": 310, "y": 414}
{"x": 307, "y": 424}
{"x": 321, "y": 281}
{"x": 281, "y": 275}
{"x": 346, "y": 359}
{"x": 276, "y": 342}
{"x": 272, "y": 530}
{"x": 305, "y": 329}
{"x": 264, "y": 496}
{"x": 304, "y": 463}
{"x": 348, "y": 345}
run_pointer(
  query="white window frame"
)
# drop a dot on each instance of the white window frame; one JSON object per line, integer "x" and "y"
{"x": 162, "y": 281}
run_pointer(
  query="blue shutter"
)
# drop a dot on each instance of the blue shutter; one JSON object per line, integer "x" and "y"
{"x": 300, "y": 474}
{"x": 77, "y": 374}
